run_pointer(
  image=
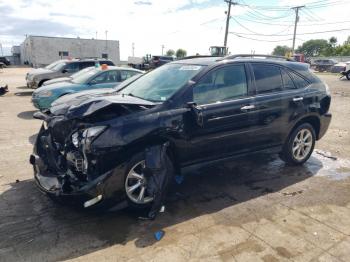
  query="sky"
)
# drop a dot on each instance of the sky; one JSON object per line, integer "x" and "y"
{"x": 194, "y": 25}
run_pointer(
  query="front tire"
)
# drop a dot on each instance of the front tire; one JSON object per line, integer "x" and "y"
{"x": 299, "y": 145}
{"x": 348, "y": 76}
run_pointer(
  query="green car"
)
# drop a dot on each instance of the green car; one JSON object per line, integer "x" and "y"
{"x": 97, "y": 78}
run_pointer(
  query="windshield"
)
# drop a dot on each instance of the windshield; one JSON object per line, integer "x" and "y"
{"x": 161, "y": 83}
{"x": 50, "y": 66}
{"x": 58, "y": 66}
{"x": 127, "y": 82}
{"x": 85, "y": 76}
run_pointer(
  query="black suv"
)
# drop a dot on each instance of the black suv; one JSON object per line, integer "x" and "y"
{"x": 4, "y": 60}
{"x": 204, "y": 109}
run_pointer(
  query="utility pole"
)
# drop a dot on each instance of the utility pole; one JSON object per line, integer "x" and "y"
{"x": 162, "y": 49}
{"x": 296, "y": 9}
{"x": 96, "y": 35}
{"x": 133, "y": 49}
{"x": 106, "y": 41}
{"x": 229, "y": 2}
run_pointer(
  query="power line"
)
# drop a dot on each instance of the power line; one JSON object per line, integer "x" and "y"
{"x": 255, "y": 33}
{"x": 307, "y": 33}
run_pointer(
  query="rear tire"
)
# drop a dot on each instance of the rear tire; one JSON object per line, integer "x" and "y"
{"x": 299, "y": 145}
{"x": 348, "y": 76}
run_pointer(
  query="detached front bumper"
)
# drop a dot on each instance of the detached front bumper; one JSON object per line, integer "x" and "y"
{"x": 53, "y": 185}
{"x": 325, "y": 120}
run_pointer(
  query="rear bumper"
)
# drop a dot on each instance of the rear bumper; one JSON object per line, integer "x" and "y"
{"x": 325, "y": 120}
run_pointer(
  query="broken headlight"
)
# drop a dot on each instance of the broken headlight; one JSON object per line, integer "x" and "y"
{"x": 90, "y": 134}
{"x": 87, "y": 136}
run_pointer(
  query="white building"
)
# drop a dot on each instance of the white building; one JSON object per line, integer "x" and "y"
{"x": 43, "y": 50}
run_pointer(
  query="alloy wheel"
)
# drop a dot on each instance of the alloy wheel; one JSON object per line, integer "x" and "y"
{"x": 302, "y": 144}
{"x": 136, "y": 185}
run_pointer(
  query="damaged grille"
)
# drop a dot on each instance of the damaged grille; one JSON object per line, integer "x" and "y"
{"x": 75, "y": 160}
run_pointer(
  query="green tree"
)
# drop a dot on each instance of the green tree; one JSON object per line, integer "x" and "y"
{"x": 281, "y": 50}
{"x": 333, "y": 41}
{"x": 181, "y": 53}
{"x": 170, "y": 52}
{"x": 313, "y": 47}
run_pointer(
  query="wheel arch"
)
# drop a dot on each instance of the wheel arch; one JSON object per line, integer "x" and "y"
{"x": 313, "y": 120}
{"x": 42, "y": 81}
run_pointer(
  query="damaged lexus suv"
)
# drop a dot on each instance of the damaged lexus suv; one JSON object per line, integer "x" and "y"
{"x": 205, "y": 109}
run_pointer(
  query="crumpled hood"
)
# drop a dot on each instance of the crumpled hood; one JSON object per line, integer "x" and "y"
{"x": 77, "y": 98}
{"x": 89, "y": 106}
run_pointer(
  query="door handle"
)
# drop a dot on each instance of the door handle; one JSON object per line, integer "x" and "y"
{"x": 297, "y": 99}
{"x": 249, "y": 107}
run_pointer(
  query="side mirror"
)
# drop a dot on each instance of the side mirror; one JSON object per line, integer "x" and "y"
{"x": 197, "y": 113}
{"x": 64, "y": 71}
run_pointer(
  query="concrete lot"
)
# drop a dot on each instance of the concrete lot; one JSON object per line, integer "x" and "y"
{"x": 252, "y": 209}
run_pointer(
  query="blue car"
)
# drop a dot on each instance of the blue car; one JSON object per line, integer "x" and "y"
{"x": 97, "y": 78}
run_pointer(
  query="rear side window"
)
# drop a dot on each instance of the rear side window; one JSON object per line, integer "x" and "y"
{"x": 299, "y": 81}
{"x": 86, "y": 64}
{"x": 287, "y": 80}
{"x": 267, "y": 78}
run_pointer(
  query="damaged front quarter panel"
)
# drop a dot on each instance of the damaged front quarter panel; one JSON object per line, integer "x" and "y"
{"x": 72, "y": 167}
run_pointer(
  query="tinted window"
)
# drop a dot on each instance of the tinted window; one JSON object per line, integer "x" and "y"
{"x": 267, "y": 78}
{"x": 299, "y": 81}
{"x": 63, "y": 53}
{"x": 125, "y": 74}
{"x": 86, "y": 64}
{"x": 220, "y": 85}
{"x": 107, "y": 62}
{"x": 287, "y": 81}
{"x": 101, "y": 78}
{"x": 72, "y": 67}
{"x": 104, "y": 55}
{"x": 113, "y": 76}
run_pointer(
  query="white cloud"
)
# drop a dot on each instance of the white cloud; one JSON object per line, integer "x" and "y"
{"x": 192, "y": 25}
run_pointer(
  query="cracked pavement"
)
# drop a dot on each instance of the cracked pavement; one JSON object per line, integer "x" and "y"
{"x": 250, "y": 209}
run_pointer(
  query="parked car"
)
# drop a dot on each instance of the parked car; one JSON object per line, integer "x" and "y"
{"x": 4, "y": 60}
{"x": 92, "y": 79}
{"x": 158, "y": 60}
{"x": 322, "y": 65}
{"x": 67, "y": 78}
{"x": 203, "y": 109}
{"x": 337, "y": 68}
{"x": 62, "y": 68}
{"x": 346, "y": 71}
{"x": 77, "y": 98}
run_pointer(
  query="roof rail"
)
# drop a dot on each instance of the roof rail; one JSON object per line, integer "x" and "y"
{"x": 92, "y": 57}
{"x": 256, "y": 55}
{"x": 194, "y": 56}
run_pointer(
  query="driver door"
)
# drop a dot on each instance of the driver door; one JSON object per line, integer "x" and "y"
{"x": 224, "y": 103}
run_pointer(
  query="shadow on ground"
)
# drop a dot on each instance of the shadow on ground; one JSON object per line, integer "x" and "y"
{"x": 27, "y": 115}
{"x": 32, "y": 139}
{"x": 25, "y": 93}
{"x": 35, "y": 228}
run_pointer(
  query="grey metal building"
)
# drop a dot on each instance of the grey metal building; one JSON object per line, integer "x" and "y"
{"x": 43, "y": 50}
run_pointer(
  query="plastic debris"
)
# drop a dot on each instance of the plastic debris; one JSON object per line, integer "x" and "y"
{"x": 159, "y": 235}
{"x": 179, "y": 179}
{"x": 162, "y": 209}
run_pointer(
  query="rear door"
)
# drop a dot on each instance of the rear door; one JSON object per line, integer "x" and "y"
{"x": 223, "y": 99}
{"x": 277, "y": 100}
